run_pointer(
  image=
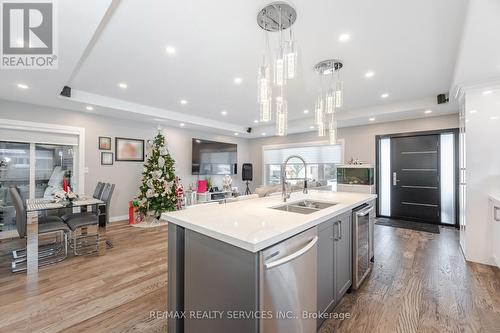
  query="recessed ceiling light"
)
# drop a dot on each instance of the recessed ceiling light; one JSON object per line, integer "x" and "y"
{"x": 428, "y": 111}
{"x": 263, "y": 134}
{"x": 306, "y": 111}
{"x": 170, "y": 50}
{"x": 123, "y": 85}
{"x": 344, "y": 37}
{"x": 255, "y": 121}
{"x": 311, "y": 127}
{"x": 236, "y": 133}
{"x": 371, "y": 119}
{"x": 22, "y": 86}
{"x": 467, "y": 120}
{"x": 369, "y": 74}
{"x": 238, "y": 80}
{"x": 89, "y": 108}
{"x": 495, "y": 118}
{"x": 487, "y": 92}
{"x": 223, "y": 112}
{"x": 183, "y": 102}
{"x": 473, "y": 111}
{"x": 182, "y": 124}
{"x": 384, "y": 95}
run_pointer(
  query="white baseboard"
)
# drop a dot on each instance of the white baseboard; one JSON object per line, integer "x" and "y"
{"x": 496, "y": 260}
{"x": 118, "y": 218}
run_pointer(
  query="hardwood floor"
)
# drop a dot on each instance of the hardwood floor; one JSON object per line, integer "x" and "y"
{"x": 420, "y": 283}
{"x": 111, "y": 293}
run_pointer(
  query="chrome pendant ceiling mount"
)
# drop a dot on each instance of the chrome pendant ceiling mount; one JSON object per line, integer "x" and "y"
{"x": 276, "y": 16}
{"x": 327, "y": 67}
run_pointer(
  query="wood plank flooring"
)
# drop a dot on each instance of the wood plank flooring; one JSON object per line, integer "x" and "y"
{"x": 420, "y": 283}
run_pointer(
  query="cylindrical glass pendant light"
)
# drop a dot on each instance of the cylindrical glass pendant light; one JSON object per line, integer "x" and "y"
{"x": 339, "y": 94}
{"x": 318, "y": 109}
{"x": 264, "y": 84}
{"x": 330, "y": 101}
{"x": 332, "y": 131}
{"x": 291, "y": 60}
{"x": 281, "y": 116}
{"x": 266, "y": 110}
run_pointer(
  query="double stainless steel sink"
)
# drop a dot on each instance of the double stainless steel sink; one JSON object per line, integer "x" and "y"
{"x": 305, "y": 206}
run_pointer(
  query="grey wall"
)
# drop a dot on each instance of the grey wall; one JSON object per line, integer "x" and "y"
{"x": 359, "y": 140}
{"x": 359, "y": 143}
{"x": 125, "y": 175}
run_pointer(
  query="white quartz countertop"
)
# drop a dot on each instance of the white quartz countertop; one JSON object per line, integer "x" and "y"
{"x": 252, "y": 224}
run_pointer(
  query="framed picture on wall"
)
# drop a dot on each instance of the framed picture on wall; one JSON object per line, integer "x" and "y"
{"x": 106, "y": 158}
{"x": 104, "y": 143}
{"x": 129, "y": 150}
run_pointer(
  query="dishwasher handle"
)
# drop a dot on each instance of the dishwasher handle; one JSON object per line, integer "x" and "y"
{"x": 293, "y": 255}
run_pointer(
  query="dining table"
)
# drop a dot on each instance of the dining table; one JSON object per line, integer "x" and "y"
{"x": 39, "y": 206}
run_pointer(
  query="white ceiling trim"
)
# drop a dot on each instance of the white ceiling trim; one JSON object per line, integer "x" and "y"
{"x": 99, "y": 102}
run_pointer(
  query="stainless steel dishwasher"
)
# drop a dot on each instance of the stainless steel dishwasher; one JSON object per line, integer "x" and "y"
{"x": 288, "y": 285}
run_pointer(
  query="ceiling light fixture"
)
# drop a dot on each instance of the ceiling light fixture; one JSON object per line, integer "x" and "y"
{"x": 263, "y": 134}
{"x": 344, "y": 37}
{"x": 237, "y": 80}
{"x": 170, "y": 50}
{"x": 123, "y": 85}
{"x": 369, "y": 74}
{"x": 276, "y": 17}
{"x": 384, "y": 95}
{"x": 22, "y": 86}
{"x": 428, "y": 111}
{"x": 223, "y": 112}
{"x": 306, "y": 111}
{"x": 487, "y": 92}
{"x": 311, "y": 127}
{"x": 255, "y": 121}
{"x": 89, "y": 108}
{"x": 183, "y": 102}
{"x": 236, "y": 133}
{"x": 182, "y": 124}
{"x": 371, "y": 119}
{"x": 330, "y": 99}
{"x": 473, "y": 111}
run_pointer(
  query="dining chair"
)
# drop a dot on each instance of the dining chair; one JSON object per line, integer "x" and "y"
{"x": 79, "y": 224}
{"x": 46, "y": 225}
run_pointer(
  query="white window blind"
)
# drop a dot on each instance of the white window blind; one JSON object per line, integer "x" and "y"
{"x": 312, "y": 154}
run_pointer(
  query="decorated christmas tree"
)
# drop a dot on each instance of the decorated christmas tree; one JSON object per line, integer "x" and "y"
{"x": 157, "y": 192}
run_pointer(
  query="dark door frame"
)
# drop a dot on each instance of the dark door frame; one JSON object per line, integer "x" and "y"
{"x": 455, "y": 132}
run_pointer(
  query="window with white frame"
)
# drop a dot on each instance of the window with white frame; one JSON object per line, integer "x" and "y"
{"x": 321, "y": 160}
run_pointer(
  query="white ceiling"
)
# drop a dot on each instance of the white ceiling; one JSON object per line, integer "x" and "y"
{"x": 410, "y": 45}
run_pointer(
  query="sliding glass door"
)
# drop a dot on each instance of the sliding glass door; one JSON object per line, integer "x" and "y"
{"x": 14, "y": 171}
{"x": 37, "y": 170}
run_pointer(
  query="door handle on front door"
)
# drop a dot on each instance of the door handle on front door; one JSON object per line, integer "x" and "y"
{"x": 395, "y": 179}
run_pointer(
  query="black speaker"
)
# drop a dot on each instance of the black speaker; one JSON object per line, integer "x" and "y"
{"x": 249, "y": 130}
{"x": 66, "y": 92}
{"x": 441, "y": 99}
{"x": 247, "y": 172}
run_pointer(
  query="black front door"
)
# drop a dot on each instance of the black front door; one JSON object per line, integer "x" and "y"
{"x": 415, "y": 193}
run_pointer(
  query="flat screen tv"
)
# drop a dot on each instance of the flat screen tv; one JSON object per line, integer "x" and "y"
{"x": 214, "y": 158}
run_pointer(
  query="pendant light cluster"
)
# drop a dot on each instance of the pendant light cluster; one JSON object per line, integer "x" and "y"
{"x": 330, "y": 98}
{"x": 277, "y": 67}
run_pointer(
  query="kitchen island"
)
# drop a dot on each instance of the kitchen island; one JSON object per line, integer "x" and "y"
{"x": 259, "y": 265}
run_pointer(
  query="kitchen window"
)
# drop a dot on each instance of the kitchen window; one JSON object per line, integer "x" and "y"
{"x": 321, "y": 160}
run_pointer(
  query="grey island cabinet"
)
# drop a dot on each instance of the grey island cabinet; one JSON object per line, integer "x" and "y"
{"x": 253, "y": 267}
